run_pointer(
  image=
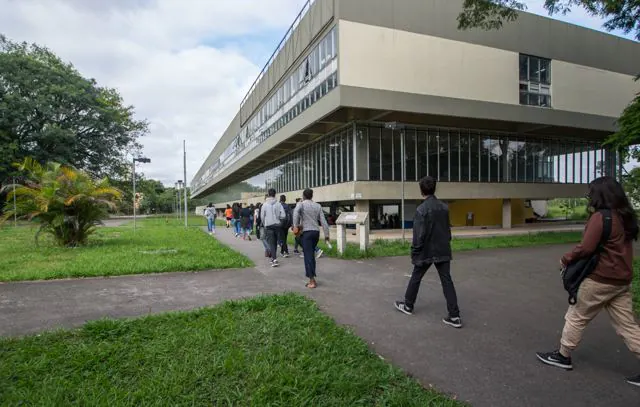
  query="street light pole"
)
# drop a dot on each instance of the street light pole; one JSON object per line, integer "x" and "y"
{"x": 140, "y": 160}
{"x": 184, "y": 149}
{"x": 15, "y": 207}
{"x": 179, "y": 200}
{"x": 396, "y": 126}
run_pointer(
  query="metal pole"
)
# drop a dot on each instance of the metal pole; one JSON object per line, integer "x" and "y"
{"x": 179, "y": 202}
{"x": 15, "y": 214}
{"x": 404, "y": 164}
{"x": 134, "y": 194}
{"x": 184, "y": 148}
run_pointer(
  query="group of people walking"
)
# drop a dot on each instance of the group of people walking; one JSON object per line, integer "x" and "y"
{"x": 608, "y": 235}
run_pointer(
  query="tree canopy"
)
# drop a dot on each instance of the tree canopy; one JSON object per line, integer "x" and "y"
{"x": 50, "y": 112}
{"x": 621, "y": 15}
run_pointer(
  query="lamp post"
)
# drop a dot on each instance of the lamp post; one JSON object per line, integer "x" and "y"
{"x": 184, "y": 149}
{"x": 179, "y": 199}
{"x": 15, "y": 207}
{"x": 136, "y": 160}
{"x": 397, "y": 126}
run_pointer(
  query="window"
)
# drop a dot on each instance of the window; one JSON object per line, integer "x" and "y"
{"x": 535, "y": 81}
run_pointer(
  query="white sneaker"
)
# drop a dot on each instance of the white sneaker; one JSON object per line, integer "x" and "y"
{"x": 274, "y": 263}
{"x": 319, "y": 253}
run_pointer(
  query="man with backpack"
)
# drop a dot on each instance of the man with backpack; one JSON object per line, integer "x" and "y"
{"x": 271, "y": 215}
{"x": 287, "y": 224}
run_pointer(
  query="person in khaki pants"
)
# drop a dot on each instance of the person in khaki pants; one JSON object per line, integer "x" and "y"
{"x": 608, "y": 287}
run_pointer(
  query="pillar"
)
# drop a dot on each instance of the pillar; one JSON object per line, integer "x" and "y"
{"x": 506, "y": 213}
{"x": 362, "y": 205}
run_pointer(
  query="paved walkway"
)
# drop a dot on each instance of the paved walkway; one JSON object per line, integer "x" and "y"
{"x": 511, "y": 300}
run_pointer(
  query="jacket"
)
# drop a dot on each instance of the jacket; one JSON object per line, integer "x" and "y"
{"x": 210, "y": 212}
{"x": 431, "y": 233}
{"x": 615, "y": 266}
{"x": 272, "y": 213}
{"x": 309, "y": 216}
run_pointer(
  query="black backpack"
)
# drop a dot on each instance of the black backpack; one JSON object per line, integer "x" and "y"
{"x": 287, "y": 222}
{"x": 574, "y": 274}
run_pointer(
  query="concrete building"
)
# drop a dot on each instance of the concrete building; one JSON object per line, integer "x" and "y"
{"x": 363, "y": 92}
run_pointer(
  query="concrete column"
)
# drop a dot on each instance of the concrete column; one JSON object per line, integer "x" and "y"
{"x": 341, "y": 239}
{"x": 362, "y": 206}
{"x": 506, "y": 213}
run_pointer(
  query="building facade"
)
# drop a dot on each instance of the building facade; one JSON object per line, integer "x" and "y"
{"x": 362, "y": 94}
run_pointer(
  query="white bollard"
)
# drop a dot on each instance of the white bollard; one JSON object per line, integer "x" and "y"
{"x": 341, "y": 238}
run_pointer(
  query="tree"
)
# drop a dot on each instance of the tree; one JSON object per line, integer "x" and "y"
{"x": 631, "y": 182}
{"x": 618, "y": 15}
{"x": 66, "y": 202}
{"x": 49, "y": 112}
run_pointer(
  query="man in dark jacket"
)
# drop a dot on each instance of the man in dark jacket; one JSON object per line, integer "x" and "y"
{"x": 431, "y": 245}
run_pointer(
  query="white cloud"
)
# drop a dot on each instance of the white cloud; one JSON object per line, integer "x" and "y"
{"x": 159, "y": 55}
{"x": 154, "y": 52}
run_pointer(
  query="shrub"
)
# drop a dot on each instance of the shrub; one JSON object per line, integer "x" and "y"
{"x": 67, "y": 203}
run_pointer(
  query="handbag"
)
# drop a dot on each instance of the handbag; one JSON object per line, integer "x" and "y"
{"x": 297, "y": 230}
{"x": 575, "y": 272}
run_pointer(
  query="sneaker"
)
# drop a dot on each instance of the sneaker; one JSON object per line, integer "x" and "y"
{"x": 454, "y": 322}
{"x": 285, "y": 255}
{"x": 319, "y": 253}
{"x": 249, "y": 237}
{"x": 296, "y": 251}
{"x": 635, "y": 381}
{"x": 274, "y": 263}
{"x": 402, "y": 307}
{"x": 302, "y": 256}
{"x": 555, "y": 359}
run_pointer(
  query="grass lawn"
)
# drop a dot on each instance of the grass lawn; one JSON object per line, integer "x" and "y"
{"x": 159, "y": 245}
{"x": 386, "y": 248}
{"x": 275, "y": 351}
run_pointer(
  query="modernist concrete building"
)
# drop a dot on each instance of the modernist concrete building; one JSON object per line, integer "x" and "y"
{"x": 362, "y": 92}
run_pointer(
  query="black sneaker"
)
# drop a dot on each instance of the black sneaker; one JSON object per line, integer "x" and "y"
{"x": 634, "y": 380}
{"x": 296, "y": 252}
{"x": 454, "y": 322}
{"x": 402, "y": 307}
{"x": 555, "y": 359}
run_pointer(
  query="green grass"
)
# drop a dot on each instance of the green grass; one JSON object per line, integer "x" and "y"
{"x": 577, "y": 213}
{"x": 158, "y": 246}
{"x": 267, "y": 351}
{"x": 388, "y": 248}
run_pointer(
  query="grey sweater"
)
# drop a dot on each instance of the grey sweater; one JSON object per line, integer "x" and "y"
{"x": 272, "y": 213}
{"x": 312, "y": 217}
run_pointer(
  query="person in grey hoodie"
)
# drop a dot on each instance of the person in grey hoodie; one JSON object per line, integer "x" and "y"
{"x": 309, "y": 216}
{"x": 272, "y": 214}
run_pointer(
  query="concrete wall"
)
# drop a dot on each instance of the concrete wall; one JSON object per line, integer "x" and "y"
{"x": 487, "y": 212}
{"x": 400, "y": 61}
{"x": 584, "y": 89}
{"x": 529, "y": 34}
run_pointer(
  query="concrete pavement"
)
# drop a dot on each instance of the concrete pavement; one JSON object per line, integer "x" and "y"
{"x": 512, "y": 305}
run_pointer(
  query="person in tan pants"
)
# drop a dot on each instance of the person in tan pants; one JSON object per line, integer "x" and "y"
{"x": 608, "y": 287}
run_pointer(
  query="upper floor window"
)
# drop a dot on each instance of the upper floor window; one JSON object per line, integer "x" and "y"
{"x": 535, "y": 81}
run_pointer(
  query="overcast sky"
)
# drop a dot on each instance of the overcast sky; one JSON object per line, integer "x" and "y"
{"x": 184, "y": 64}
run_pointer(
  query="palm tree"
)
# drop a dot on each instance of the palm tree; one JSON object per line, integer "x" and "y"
{"x": 67, "y": 203}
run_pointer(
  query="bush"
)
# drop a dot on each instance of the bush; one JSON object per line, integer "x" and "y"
{"x": 67, "y": 203}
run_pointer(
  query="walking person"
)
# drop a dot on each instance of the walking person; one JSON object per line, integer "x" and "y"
{"x": 210, "y": 214}
{"x": 307, "y": 217}
{"x": 431, "y": 245}
{"x": 287, "y": 223}
{"x": 608, "y": 287}
{"x": 236, "y": 219}
{"x": 245, "y": 222}
{"x": 297, "y": 240}
{"x": 228, "y": 215}
{"x": 272, "y": 214}
{"x": 252, "y": 218}
{"x": 256, "y": 219}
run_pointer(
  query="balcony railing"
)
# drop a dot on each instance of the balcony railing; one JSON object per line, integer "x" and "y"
{"x": 296, "y": 21}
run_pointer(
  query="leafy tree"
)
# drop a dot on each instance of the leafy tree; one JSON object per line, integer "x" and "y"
{"x": 66, "y": 202}
{"x": 618, "y": 15}
{"x": 631, "y": 182}
{"x": 49, "y": 112}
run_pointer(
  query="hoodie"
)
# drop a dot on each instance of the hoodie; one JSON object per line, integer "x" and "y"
{"x": 272, "y": 213}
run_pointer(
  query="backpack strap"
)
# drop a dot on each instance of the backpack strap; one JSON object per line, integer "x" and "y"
{"x": 606, "y": 228}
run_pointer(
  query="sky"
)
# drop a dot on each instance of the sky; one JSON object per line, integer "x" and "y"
{"x": 184, "y": 65}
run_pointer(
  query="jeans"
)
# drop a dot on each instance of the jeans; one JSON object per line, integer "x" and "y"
{"x": 271, "y": 236}
{"x": 298, "y": 243}
{"x": 211, "y": 225}
{"x": 309, "y": 243}
{"x": 284, "y": 234}
{"x": 449, "y": 290}
{"x": 238, "y": 226}
{"x": 594, "y": 297}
